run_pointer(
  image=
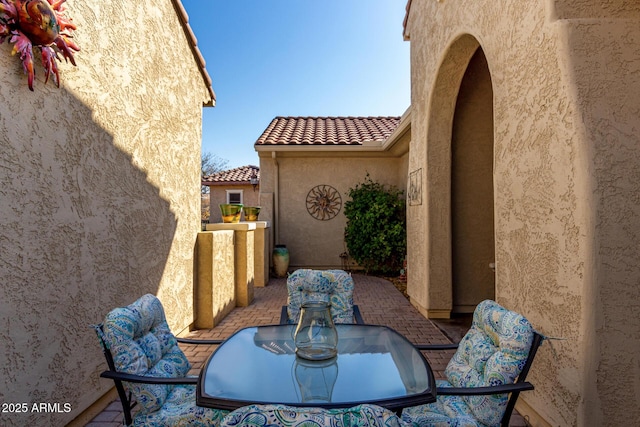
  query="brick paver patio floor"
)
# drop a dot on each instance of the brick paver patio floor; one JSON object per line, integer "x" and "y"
{"x": 379, "y": 301}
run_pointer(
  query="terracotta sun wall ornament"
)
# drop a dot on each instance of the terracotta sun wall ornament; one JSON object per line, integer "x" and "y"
{"x": 40, "y": 23}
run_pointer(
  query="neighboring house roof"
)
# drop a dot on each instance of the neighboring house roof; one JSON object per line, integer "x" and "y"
{"x": 193, "y": 43}
{"x": 329, "y": 131}
{"x": 237, "y": 176}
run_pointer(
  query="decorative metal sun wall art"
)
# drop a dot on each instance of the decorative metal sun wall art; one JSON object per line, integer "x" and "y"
{"x": 40, "y": 23}
{"x": 323, "y": 202}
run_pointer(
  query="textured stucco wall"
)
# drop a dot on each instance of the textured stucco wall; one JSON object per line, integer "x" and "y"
{"x": 566, "y": 162}
{"x": 99, "y": 197}
{"x": 215, "y": 278}
{"x": 311, "y": 242}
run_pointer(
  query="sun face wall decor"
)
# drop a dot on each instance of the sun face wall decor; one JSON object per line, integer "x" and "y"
{"x": 40, "y": 23}
{"x": 323, "y": 202}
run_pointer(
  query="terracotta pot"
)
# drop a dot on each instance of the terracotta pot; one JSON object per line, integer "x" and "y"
{"x": 230, "y": 212}
{"x": 251, "y": 213}
{"x": 280, "y": 260}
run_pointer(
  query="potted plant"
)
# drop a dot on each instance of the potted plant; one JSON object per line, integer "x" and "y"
{"x": 251, "y": 213}
{"x": 230, "y": 212}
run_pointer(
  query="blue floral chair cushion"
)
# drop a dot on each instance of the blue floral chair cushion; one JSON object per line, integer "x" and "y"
{"x": 493, "y": 352}
{"x": 289, "y": 416}
{"x": 180, "y": 410}
{"x": 332, "y": 286}
{"x": 141, "y": 343}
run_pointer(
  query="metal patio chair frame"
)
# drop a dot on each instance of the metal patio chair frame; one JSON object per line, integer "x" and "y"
{"x": 128, "y": 403}
{"x": 514, "y": 389}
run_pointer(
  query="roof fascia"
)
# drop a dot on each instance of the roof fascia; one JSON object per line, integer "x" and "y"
{"x": 193, "y": 45}
{"x": 226, "y": 183}
{"x": 406, "y": 32}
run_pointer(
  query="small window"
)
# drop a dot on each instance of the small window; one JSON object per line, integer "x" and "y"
{"x": 234, "y": 197}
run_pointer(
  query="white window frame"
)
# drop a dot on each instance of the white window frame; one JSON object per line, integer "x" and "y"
{"x": 240, "y": 192}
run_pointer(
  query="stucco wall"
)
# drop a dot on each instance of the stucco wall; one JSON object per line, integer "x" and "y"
{"x": 214, "y": 288}
{"x": 566, "y": 161}
{"x": 100, "y": 197}
{"x": 312, "y": 242}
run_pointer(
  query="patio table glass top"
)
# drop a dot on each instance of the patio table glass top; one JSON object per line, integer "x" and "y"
{"x": 375, "y": 364}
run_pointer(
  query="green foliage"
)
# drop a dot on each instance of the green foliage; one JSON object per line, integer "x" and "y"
{"x": 376, "y": 227}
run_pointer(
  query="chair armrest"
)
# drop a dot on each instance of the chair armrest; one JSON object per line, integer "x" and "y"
{"x": 198, "y": 341}
{"x": 436, "y": 346}
{"x": 357, "y": 315}
{"x": 471, "y": 391}
{"x": 284, "y": 316}
{"x": 132, "y": 378}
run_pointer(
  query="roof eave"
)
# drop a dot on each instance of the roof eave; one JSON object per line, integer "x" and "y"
{"x": 371, "y": 146}
{"x": 193, "y": 44}
{"x": 405, "y": 23}
{"x": 225, "y": 183}
{"x": 403, "y": 127}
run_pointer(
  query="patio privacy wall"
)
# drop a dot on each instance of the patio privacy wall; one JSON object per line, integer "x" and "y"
{"x": 314, "y": 243}
{"x": 99, "y": 198}
{"x": 564, "y": 90}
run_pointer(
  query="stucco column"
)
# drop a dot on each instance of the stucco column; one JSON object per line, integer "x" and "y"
{"x": 261, "y": 253}
{"x": 243, "y": 238}
{"x": 215, "y": 278}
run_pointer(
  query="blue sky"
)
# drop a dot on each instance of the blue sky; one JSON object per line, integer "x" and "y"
{"x": 271, "y": 58}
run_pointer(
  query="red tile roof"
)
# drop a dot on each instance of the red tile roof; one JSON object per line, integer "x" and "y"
{"x": 240, "y": 175}
{"x": 327, "y": 130}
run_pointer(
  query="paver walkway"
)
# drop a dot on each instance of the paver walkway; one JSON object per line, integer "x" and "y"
{"x": 379, "y": 301}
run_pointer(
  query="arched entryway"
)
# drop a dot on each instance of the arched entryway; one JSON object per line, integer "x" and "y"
{"x": 472, "y": 231}
{"x": 459, "y": 184}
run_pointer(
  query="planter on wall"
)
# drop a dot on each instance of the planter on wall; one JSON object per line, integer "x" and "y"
{"x": 251, "y": 213}
{"x": 230, "y": 212}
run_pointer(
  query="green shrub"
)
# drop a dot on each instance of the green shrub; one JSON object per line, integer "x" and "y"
{"x": 376, "y": 227}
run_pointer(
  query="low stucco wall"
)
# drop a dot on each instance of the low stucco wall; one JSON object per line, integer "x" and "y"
{"x": 100, "y": 198}
{"x": 566, "y": 209}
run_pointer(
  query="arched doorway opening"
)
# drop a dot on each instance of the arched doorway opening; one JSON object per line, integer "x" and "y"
{"x": 459, "y": 244}
{"x": 472, "y": 207}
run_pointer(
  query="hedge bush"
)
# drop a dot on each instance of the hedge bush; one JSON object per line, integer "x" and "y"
{"x": 375, "y": 234}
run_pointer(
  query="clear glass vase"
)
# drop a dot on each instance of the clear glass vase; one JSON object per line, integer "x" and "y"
{"x": 316, "y": 337}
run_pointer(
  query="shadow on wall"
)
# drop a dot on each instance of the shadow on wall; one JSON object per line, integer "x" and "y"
{"x": 82, "y": 230}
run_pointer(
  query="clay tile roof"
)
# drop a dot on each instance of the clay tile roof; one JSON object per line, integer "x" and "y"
{"x": 240, "y": 175}
{"x": 327, "y": 130}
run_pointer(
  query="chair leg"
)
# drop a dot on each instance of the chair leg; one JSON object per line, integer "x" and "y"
{"x": 284, "y": 316}
{"x": 357, "y": 315}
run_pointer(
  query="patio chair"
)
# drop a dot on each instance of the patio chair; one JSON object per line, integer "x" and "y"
{"x": 290, "y": 416}
{"x": 149, "y": 368}
{"x": 486, "y": 374}
{"x": 331, "y": 286}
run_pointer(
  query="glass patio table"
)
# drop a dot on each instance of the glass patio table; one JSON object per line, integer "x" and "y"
{"x": 258, "y": 365}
